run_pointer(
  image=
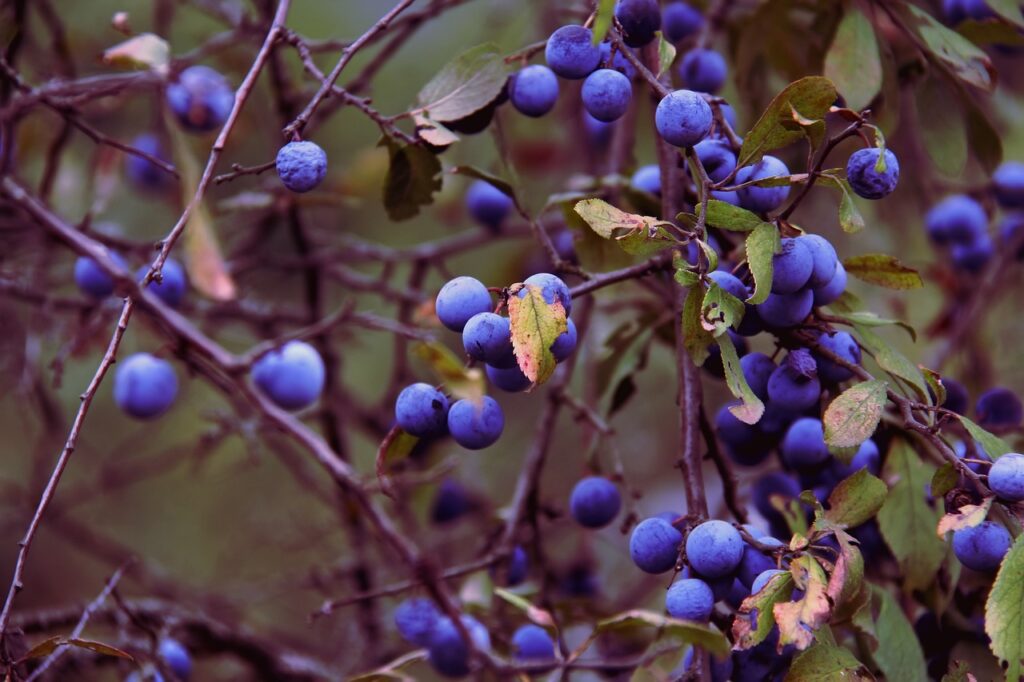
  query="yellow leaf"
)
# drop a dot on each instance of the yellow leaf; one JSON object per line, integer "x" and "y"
{"x": 535, "y": 326}
{"x": 145, "y": 50}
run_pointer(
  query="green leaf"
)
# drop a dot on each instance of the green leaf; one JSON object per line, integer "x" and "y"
{"x": 625, "y": 354}
{"x": 935, "y": 385}
{"x": 396, "y": 446}
{"x": 850, "y": 218}
{"x": 853, "y": 416}
{"x": 720, "y": 310}
{"x": 798, "y": 620}
{"x": 941, "y": 126}
{"x": 465, "y": 85}
{"x": 144, "y": 51}
{"x": 725, "y": 216}
{"x": 967, "y": 516}
{"x": 945, "y": 479}
{"x": 752, "y": 408}
{"x": 892, "y": 361}
{"x": 846, "y": 586}
{"x": 995, "y": 446}
{"x": 811, "y": 97}
{"x": 761, "y": 245}
{"x": 498, "y": 183}
{"x": 870, "y": 319}
{"x": 983, "y": 139}
{"x": 204, "y": 262}
{"x": 704, "y": 636}
{"x": 1004, "y": 612}
{"x": 696, "y": 338}
{"x": 959, "y": 672}
{"x": 392, "y": 669}
{"x": 756, "y": 617}
{"x": 636, "y": 234}
{"x": 906, "y": 519}
{"x": 883, "y": 270}
{"x": 535, "y": 326}
{"x": 899, "y": 651}
{"x": 100, "y": 648}
{"x": 666, "y": 54}
{"x": 534, "y": 613}
{"x": 852, "y": 61}
{"x": 1007, "y": 9}
{"x": 603, "y": 20}
{"x": 826, "y": 663}
{"x": 414, "y": 175}
{"x": 856, "y": 499}
{"x": 959, "y": 56}
{"x": 463, "y": 382}
{"x": 647, "y": 242}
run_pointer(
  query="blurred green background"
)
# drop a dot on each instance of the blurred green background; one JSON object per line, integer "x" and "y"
{"x": 227, "y": 524}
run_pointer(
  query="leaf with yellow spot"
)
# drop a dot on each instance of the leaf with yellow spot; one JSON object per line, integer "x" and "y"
{"x": 535, "y": 326}
{"x": 798, "y": 620}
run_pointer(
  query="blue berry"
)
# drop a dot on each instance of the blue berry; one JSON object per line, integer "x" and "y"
{"x": 292, "y": 376}
{"x": 606, "y": 94}
{"x": 639, "y": 20}
{"x": 999, "y": 409}
{"x": 679, "y": 21}
{"x": 833, "y": 290}
{"x": 570, "y": 52}
{"x": 654, "y": 545}
{"x": 143, "y": 172}
{"x": 647, "y": 179}
{"x": 824, "y": 258}
{"x": 960, "y": 450}
{"x": 957, "y": 219}
{"x": 803, "y": 446}
{"x": 171, "y": 288}
{"x": 755, "y": 562}
{"x": 780, "y": 311}
{"x": 534, "y": 90}
{"x": 422, "y": 411}
{"x": 448, "y": 652}
{"x": 1010, "y": 226}
{"x": 714, "y": 548}
{"x": 982, "y": 547}
{"x": 487, "y": 204}
{"x": 476, "y": 425}
{"x": 201, "y": 99}
{"x": 488, "y": 337}
{"x": 759, "y": 583}
{"x": 510, "y": 380}
{"x": 516, "y": 567}
{"x": 145, "y": 386}
{"x": 791, "y": 266}
{"x": 683, "y": 118}
{"x": 532, "y": 643}
{"x": 703, "y": 70}
{"x": 595, "y": 502}
{"x": 461, "y": 299}
{"x": 717, "y": 158}
{"x": 93, "y": 280}
{"x": 415, "y": 619}
{"x": 757, "y": 367}
{"x": 176, "y": 657}
{"x": 619, "y": 62}
{"x": 451, "y": 502}
{"x": 868, "y": 182}
{"x": 794, "y": 385}
{"x": 762, "y": 199}
{"x": 843, "y": 345}
{"x": 551, "y": 287}
{"x": 301, "y": 165}
{"x": 866, "y": 457}
{"x": 565, "y": 344}
{"x": 1006, "y": 477}
{"x": 973, "y": 256}
{"x": 690, "y": 599}
{"x": 957, "y": 399}
{"x": 1008, "y": 183}
{"x": 746, "y": 444}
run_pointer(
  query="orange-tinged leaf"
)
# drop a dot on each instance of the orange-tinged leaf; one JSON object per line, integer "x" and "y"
{"x": 799, "y": 619}
{"x": 535, "y": 326}
{"x": 967, "y": 516}
{"x": 145, "y": 51}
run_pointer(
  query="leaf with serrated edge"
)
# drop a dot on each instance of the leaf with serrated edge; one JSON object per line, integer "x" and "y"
{"x": 752, "y": 409}
{"x": 756, "y": 617}
{"x": 995, "y": 446}
{"x": 853, "y": 416}
{"x": 883, "y": 270}
{"x": 535, "y": 326}
{"x": 899, "y": 651}
{"x": 450, "y": 371}
{"x": 696, "y": 339}
{"x": 1004, "y": 612}
{"x": 856, "y": 499}
{"x": 725, "y": 216}
{"x": 852, "y": 61}
{"x": 827, "y": 663}
{"x": 762, "y": 244}
{"x": 850, "y": 218}
{"x": 798, "y": 620}
{"x": 967, "y": 516}
{"x": 906, "y": 520}
{"x": 465, "y": 85}
{"x": 811, "y": 97}
{"x": 720, "y": 310}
